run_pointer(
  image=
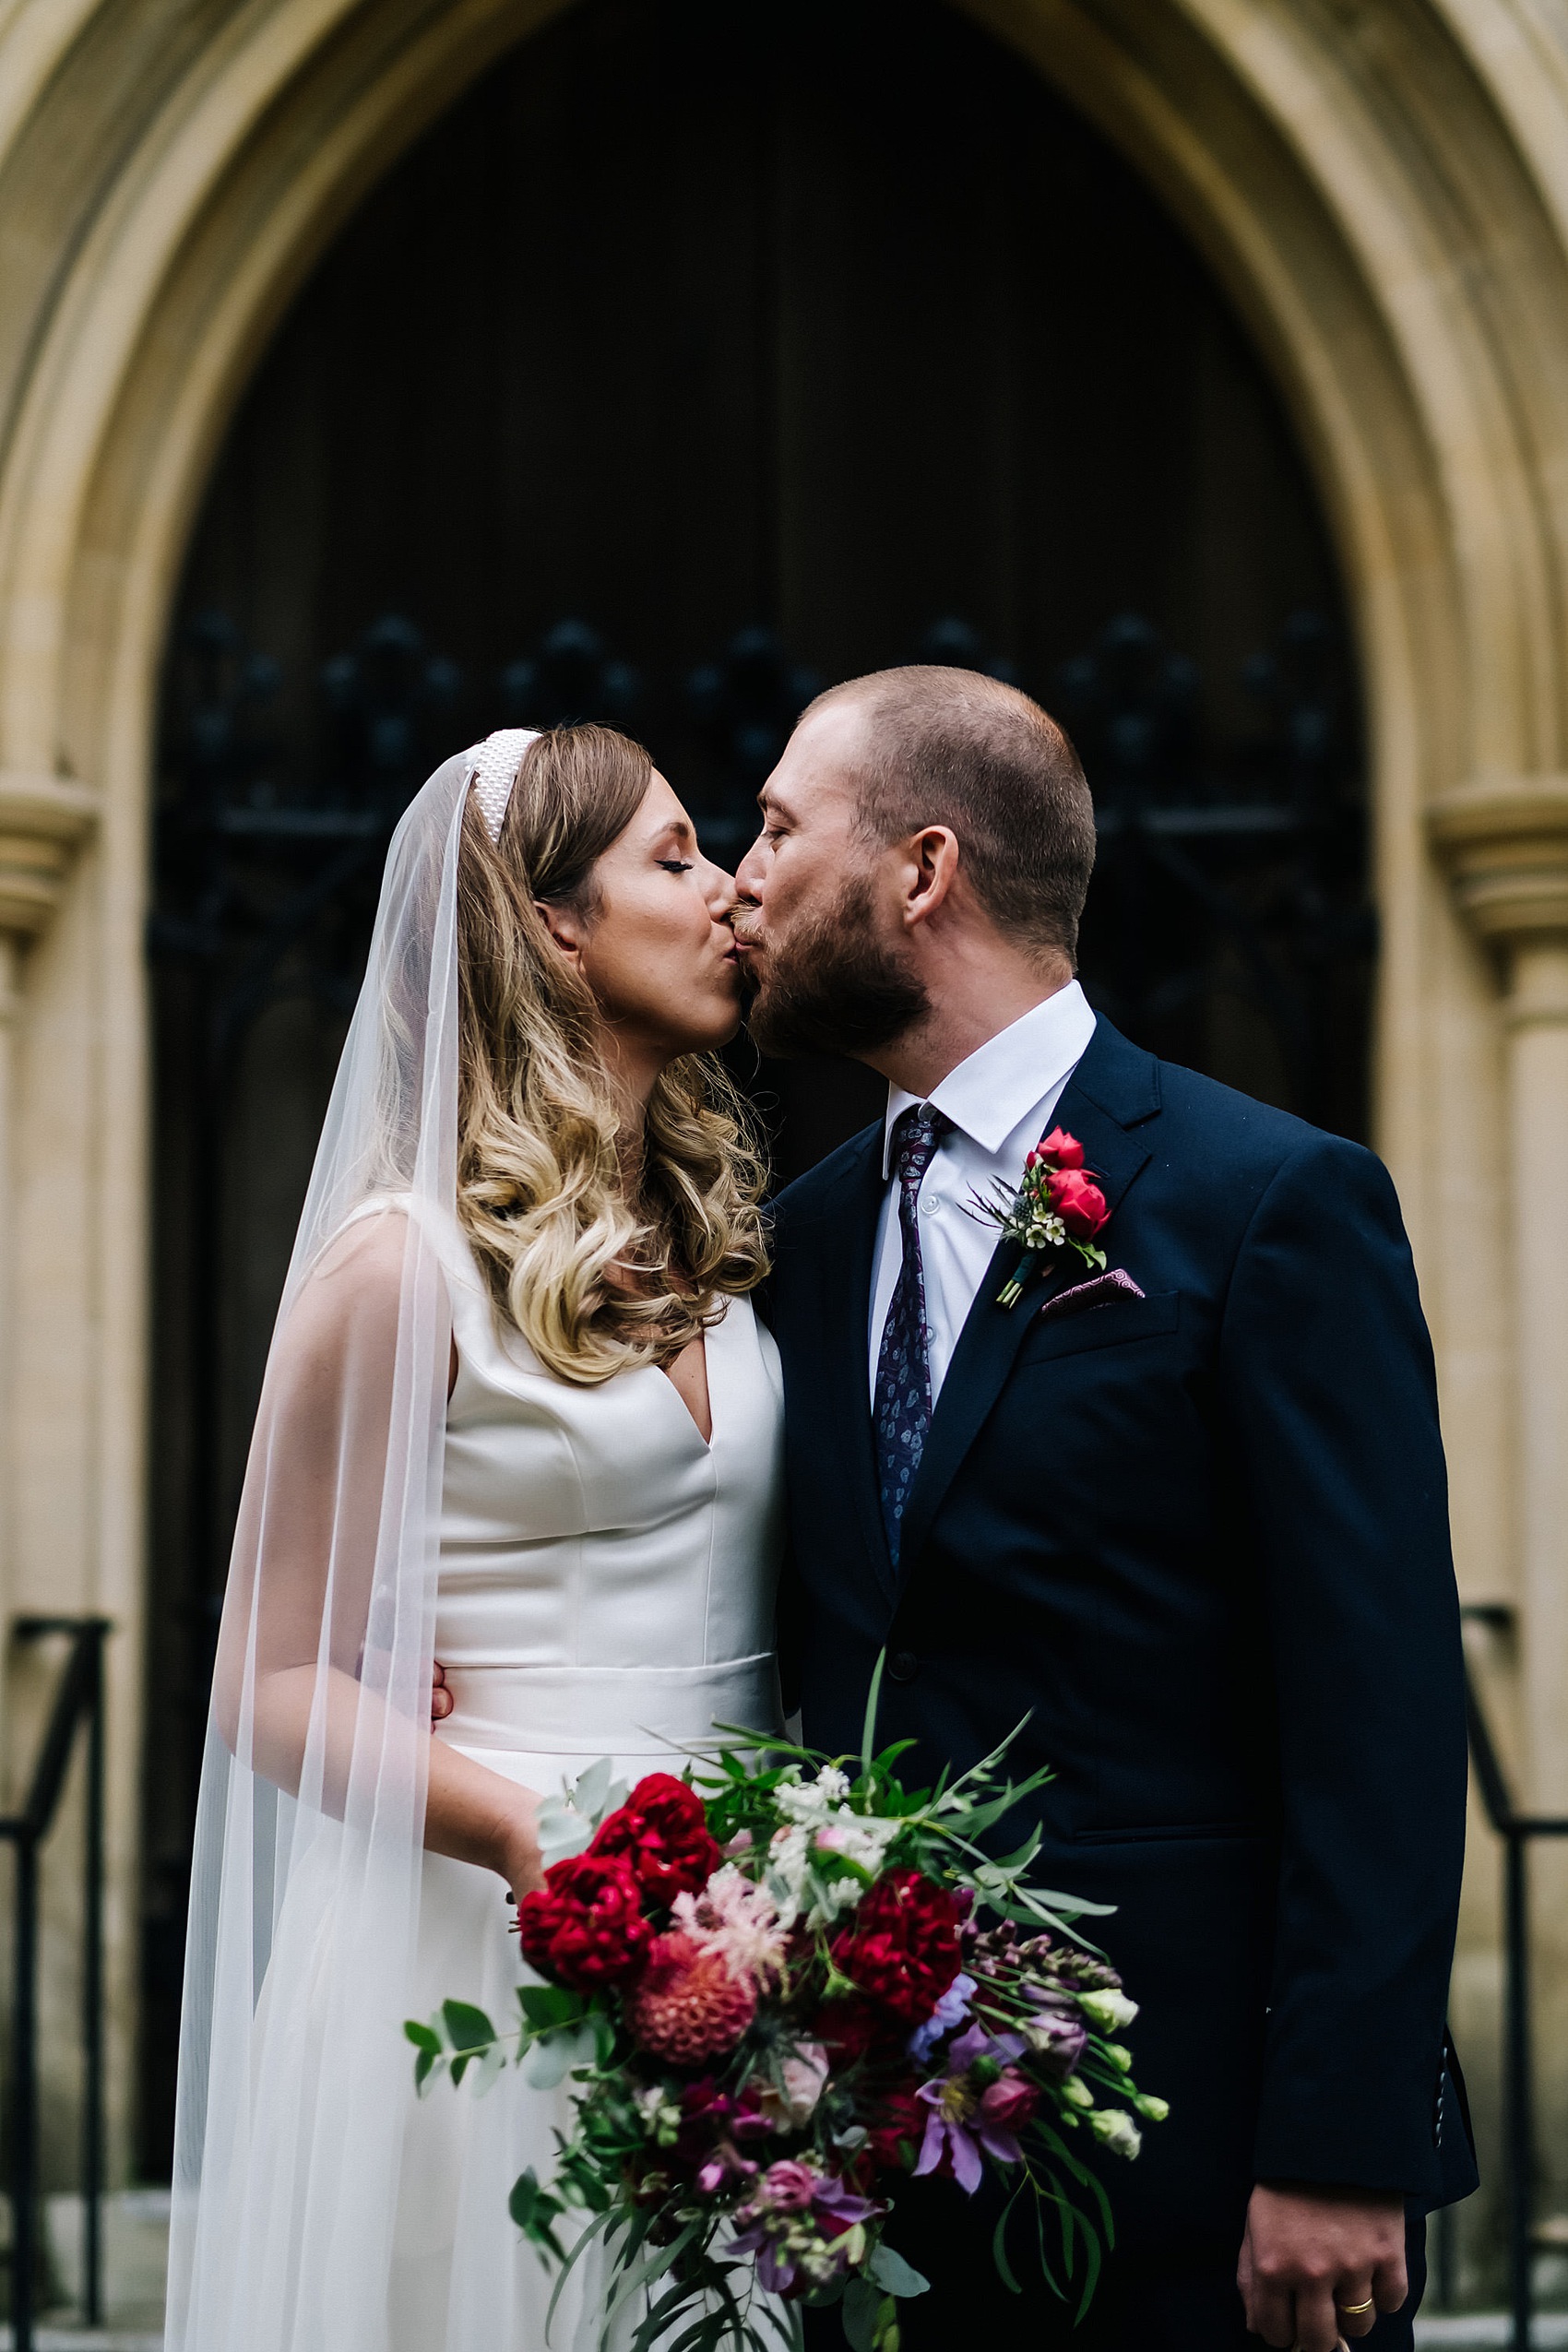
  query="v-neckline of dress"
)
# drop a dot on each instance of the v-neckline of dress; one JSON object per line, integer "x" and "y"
{"x": 690, "y": 1417}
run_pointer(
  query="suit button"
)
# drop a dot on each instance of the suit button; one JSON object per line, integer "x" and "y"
{"x": 902, "y": 1666}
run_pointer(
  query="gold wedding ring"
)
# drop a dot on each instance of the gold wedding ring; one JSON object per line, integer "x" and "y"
{"x": 1354, "y": 2311}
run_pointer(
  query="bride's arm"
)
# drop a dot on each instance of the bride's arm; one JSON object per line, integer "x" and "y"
{"x": 472, "y": 1814}
{"x": 290, "y": 1693}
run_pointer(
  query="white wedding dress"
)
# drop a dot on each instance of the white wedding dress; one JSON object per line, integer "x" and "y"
{"x": 606, "y": 1589}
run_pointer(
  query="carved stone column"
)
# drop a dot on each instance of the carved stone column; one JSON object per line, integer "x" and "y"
{"x": 42, "y": 821}
{"x": 1506, "y": 844}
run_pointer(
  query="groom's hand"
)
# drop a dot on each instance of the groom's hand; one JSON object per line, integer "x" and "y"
{"x": 441, "y": 1699}
{"x": 1310, "y": 2255}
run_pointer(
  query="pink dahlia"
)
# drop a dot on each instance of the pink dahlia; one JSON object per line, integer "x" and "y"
{"x": 686, "y": 2004}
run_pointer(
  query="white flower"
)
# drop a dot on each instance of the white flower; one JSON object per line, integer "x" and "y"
{"x": 802, "y": 2079}
{"x": 829, "y": 1897}
{"x": 660, "y": 2115}
{"x": 864, "y": 1838}
{"x": 737, "y": 1918}
{"x": 1108, "y": 2009}
{"x": 810, "y": 1800}
{"x": 788, "y": 1861}
{"x": 1117, "y": 2128}
{"x": 818, "y": 1822}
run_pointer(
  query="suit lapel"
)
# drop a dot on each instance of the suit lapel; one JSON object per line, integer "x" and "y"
{"x": 843, "y": 1259}
{"x": 1113, "y": 1089}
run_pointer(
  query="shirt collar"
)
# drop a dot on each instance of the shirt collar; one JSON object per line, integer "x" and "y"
{"x": 994, "y": 1090}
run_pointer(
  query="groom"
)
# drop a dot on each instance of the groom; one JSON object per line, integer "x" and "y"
{"x": 1190, "y": 1521}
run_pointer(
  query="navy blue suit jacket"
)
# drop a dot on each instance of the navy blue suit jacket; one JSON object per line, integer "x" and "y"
{"x": 1199, "y": 1540}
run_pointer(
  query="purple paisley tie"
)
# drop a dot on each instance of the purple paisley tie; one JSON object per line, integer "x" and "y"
{"x": 903, "y": 1364}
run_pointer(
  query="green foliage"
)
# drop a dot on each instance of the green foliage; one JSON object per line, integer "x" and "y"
{"x": 625, "y": 2173}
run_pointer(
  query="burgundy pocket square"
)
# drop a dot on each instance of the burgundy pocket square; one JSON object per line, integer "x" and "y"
{"x": 1099, "y": 1292}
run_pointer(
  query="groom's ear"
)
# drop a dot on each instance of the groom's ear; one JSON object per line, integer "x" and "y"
{"x": 929, "y": 869}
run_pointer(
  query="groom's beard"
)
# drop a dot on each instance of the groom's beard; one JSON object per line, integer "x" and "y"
{"x": 831, "y": 986}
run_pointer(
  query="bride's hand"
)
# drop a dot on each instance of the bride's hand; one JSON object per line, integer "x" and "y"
{"x": 477, "y": 1815}
{"x": 517, "y": 1857}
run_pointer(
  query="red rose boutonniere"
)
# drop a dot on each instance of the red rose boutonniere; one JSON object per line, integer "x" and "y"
{"x": 1057, "y": 1206}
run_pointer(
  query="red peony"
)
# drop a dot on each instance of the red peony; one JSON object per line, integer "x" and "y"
{"x": 585, "y": 1926}
{"x": 894, "y": 2140}
{"x": 661, "y": 1831}
{"x": 902, "y": 1950}
{"x": 1078, "y": 1203}
{"x": 1063, "y": 1149}
{"x": 852, "y": 2028}
{"x": 686, "y": 2005}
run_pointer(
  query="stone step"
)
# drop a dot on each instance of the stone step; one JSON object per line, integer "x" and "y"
{"x": 87, "y": 2339}
{"x": 1490, "y": 2332}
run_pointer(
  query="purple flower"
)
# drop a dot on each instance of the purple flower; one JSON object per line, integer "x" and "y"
{"x": 833, "y": 2202}
{"x": 725, "y": 2164}
{"x": 795, "y": 2222}
{"x": 950, "y": 2012}
{"x": 1058, "y": 2030}
{"x": 959, "y": 2125}
{"x": 775, "y": 2270}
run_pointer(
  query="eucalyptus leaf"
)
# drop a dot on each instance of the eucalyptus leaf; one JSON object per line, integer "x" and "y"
{"x": 592, "y": 1786}
{"x": 486, "y": 2070}
{"x": 547, "y": 2006}
{"x": 890, "y": 2270}
{"x": 562, "y": 1831}
{"x": 550, "y": 2061}
{"x": 465, "y": 2028}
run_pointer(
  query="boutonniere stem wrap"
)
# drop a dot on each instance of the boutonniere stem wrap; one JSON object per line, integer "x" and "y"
{"x": 1057, "y": 1206}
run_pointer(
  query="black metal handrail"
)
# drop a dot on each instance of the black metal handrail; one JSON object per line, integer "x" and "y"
{"x": 1516, "y": 1830}
{"x": 78, "y": 1703}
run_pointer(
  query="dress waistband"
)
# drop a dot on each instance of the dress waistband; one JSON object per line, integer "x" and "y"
{"x": 608, "y": 1710}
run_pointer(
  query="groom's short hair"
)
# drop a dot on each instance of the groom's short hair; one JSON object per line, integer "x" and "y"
{"x": 954, "y": 747}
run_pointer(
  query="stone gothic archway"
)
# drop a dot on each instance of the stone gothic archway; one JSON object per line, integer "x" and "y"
{"x": 1383, "y": 190}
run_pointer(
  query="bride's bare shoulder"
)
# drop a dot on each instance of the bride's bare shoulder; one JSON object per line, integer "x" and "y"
{"x": 370, "y": 1246}
{"x": 356, "y": 1282}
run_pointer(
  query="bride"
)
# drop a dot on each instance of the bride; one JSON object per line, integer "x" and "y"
{"x": 517, "y": 1410}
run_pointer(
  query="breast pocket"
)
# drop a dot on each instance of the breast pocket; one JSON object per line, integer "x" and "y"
{"x": 1116, "y": 1326}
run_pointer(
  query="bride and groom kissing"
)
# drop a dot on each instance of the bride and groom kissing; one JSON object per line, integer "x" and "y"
{"x": 556, "y": 1400}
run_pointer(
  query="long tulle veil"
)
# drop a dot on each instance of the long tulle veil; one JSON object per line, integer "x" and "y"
{"x": 305, "y": 1885}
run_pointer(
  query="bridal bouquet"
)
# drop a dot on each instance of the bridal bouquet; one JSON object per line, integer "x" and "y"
{"x": 776, "y": 1993}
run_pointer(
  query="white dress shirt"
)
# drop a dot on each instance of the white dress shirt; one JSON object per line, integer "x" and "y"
{"x": 1001, "y": 1101}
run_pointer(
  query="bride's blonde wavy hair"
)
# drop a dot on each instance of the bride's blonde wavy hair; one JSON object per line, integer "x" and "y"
{"x": 596, "y": 1279}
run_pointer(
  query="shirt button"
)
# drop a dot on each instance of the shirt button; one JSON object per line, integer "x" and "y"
{"x": 929, "y": 1204}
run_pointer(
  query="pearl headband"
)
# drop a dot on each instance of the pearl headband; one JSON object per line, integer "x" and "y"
{"x": 492, "y": 770}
